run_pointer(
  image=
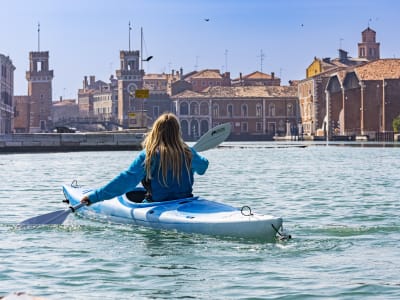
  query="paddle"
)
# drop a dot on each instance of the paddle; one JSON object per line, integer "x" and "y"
{"x": 209, "y": 140}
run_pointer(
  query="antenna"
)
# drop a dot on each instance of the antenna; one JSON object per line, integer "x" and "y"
{"x": 141, "y": 48}
{"x": 38, "y": 30}
{"x": 226, "y": 60}
{"x": 196, "y": 65}
{"x": 130, "y": 28}
{"x": 261, "y": 56}
{"x": 340, "y": 43}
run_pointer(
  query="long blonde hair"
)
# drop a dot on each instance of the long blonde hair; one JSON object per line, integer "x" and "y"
{"x": 165, "y": 139}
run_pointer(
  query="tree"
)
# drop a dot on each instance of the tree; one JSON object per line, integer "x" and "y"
{"x": 396, "y": 124}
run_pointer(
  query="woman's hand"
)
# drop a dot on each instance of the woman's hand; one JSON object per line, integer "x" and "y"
{"x": 85, "y": 200}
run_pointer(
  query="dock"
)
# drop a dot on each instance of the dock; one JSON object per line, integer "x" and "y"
{"x": 67, "y": 142}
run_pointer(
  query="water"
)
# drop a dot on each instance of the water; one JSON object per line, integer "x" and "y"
{"x": 340, "y": 204}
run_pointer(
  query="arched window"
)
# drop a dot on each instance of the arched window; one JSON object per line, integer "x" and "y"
{"x": 184, "y": 109}
{"x": 230, "y": 110}
{"x": 203, "y": 108}
{"x": 271, "y": 109}
{"x": 203, "y": 127}
{"x": 194, "y": 108}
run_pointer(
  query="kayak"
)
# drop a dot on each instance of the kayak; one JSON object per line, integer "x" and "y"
{"x": 189, "y": 215}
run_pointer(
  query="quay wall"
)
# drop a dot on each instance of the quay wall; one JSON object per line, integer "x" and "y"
{"x": 65, "y": 142}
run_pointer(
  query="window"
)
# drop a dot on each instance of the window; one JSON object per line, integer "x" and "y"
{"x": 289, "y": 109}
{"x": 230, "y": 110}
{"x": 194, "y": 108}
{"x": 259, "y": 127}
{"x": 271, "y": 109}
{"x": 258, "y": 110}
{"x": 244, "y": 110}
{"x": 204, "y": 108}
{"x": 244, "y": 127}
{"x": 184, "y": 108}
{"x": 215, "y": 110}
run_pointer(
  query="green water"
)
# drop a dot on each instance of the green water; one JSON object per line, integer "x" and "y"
{"x": 340, "y": 204}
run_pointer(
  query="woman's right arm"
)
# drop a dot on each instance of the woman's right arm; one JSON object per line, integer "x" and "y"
{"x": 199, "y": 162}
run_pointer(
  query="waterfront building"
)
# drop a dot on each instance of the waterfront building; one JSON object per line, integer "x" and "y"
{"x": 257, "y": 78}
{"x": 6, "y": 94}
{"x": 363, "y": 101}
{"x": 312, "y": 89}
{"x": 256, "y": 112}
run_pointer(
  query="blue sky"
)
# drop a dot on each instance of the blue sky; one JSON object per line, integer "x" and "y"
{"x": 84, "y": 37}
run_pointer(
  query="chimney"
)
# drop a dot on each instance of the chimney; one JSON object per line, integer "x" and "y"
{"x": 85, "y": 83}
{"x": 92, "y": 79}
{"x": 181, "y": 73}
{"x": 272, "y": 75}
{"x": 241, "y": 78}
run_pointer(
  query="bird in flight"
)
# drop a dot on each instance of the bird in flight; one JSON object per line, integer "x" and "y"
{"x": 207, "y": 20}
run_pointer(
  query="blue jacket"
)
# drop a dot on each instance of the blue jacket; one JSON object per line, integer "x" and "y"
{"x": 131, "y": 177}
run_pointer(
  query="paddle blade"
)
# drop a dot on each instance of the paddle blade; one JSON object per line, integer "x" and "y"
{"x": 53, "y": 218}
{"x": 56, "y": 217}
{"x": 213, "y": 137}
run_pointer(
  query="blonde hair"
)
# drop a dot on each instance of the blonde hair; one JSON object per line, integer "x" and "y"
{"x": 165, "y": 140}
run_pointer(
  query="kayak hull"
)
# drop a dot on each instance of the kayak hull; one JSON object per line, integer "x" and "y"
{"x": 189, "y": 215}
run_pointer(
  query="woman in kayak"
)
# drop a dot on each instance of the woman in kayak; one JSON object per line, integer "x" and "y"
{"x": 165, "y": 166}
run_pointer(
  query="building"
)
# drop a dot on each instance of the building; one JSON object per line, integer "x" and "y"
{"x": 21, "y": 114}
{"x": 208, "y": 78}
{"x": 257, "y": 78}
{"x": 6, "y": 94}
{"x": 312, "y": 89}
{"x": 256, "y": 112}
{"x": 364, "y": 100}
{"x": 63, "y": 110}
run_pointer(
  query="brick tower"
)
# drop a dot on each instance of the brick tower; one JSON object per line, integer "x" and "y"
{"x": 368, "y": 48}
{"x": 39, "y": 91}
{"x": 130, "y": 78}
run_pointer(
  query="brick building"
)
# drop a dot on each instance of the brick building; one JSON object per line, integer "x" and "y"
{"x": 39, "y": 79}
{"x": 364, "y": 100}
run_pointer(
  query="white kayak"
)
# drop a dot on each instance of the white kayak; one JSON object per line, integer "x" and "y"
{"x": 189, "y": 215}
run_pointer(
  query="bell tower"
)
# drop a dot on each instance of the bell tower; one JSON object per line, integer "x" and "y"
{"x": 39, "y": 90}
{"x": 368, "y": 48}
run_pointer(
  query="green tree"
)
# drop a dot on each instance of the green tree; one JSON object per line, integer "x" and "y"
{"x": 396, "y": 124}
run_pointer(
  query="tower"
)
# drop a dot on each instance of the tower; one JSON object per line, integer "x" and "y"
{"x": 39, "y": 91}
{"x": 130, "y": 78}
{"x": 368, "y": 48}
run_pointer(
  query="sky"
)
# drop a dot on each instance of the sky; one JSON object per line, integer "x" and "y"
{"x": 84, "y": 37}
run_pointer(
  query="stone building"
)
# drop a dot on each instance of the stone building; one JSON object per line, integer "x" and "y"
{"x": 6, "y": 94}
{"x": 256, "y": 112}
